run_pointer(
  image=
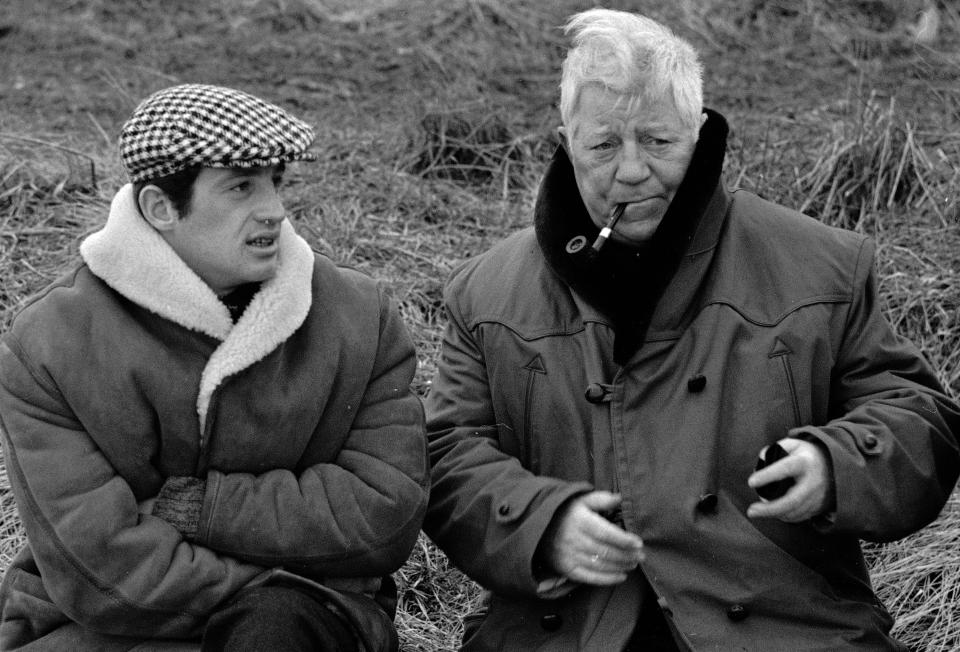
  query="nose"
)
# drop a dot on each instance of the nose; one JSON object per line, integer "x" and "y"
{"x": 270, "y": 207}
{"x": 633, "y": 166}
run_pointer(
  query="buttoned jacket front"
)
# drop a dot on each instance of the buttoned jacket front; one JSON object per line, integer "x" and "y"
{"x": 769, "y": 327}
{"x": 299, "y": 417}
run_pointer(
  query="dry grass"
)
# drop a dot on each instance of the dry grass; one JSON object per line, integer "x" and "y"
{"x": 435, "y": 120}
{"x": 918, "y": 578}
{"x": 878, "y": 167}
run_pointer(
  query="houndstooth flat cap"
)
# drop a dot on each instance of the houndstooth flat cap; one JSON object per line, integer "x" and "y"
{"x": 210, "y": 126}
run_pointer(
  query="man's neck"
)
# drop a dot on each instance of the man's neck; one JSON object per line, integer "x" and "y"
{"x": 237, "y": 299}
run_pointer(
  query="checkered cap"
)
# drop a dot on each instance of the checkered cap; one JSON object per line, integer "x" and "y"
{"x": 210, "y": 126}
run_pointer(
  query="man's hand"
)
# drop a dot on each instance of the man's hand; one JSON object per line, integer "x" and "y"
{"x": 813, "y": 491}
{"x": 179, "y": 503}
{"x": 583, "y": 546}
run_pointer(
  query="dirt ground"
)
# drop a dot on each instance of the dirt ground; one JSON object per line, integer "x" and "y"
{"x": 812, "y": 89}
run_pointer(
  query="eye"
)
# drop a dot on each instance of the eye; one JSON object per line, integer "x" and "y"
{"x": 241, "y": 186}
{"x": 656, "y": 141}
{"x": 604, "y": 146}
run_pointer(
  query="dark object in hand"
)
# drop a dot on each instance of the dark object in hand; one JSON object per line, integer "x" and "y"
{"x": 615, "y": 516}
{"x": 773, "y": 490}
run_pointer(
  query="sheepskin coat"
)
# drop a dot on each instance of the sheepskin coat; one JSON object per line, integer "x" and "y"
{"x": 129, "y": 370}
{"x": 560, "y": 374}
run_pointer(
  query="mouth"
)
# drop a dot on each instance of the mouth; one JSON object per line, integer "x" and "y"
{"x": 631, "y": 207}
{"x": 638, "y": 201}
{"x": 263, "y": 240}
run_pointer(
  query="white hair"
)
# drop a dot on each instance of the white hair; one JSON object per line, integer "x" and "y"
{"x": 631, "y": 55}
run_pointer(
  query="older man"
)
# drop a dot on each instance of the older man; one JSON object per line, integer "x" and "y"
{"x": 208, "y": 427}
{"x": 610, "y": 376}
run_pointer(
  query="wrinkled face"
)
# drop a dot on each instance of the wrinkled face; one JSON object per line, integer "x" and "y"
{"x": 623, "y": 151}
{"x": 230, "y": 234}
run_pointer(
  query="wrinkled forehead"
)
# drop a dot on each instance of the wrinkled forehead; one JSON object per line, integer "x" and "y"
{"x": 598, "y": 106}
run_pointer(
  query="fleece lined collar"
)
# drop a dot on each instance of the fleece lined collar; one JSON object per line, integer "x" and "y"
{"x": 627, "y": 283}
{"x": 133, "y": 259}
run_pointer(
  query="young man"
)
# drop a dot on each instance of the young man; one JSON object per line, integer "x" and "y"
{"x": 208, "y": 427}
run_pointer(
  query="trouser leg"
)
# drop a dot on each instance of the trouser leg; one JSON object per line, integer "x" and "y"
{"x": 279, "y": 619}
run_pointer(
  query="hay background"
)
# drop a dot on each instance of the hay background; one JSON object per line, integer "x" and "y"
{"x": 435, "y": 119}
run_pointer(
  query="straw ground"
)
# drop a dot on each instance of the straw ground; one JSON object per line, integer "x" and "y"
{"x": 435, "y": 120}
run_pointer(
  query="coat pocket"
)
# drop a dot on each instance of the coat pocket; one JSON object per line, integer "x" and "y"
{"x": 781, "y": 356}
{"x": 531, "y": 375}
{"x": 504, "y": 625}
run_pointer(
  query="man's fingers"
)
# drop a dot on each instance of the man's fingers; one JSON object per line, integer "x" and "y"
{"x": 609, "y": 535}
{"x": 586, "y": 575}
{"x": 791, "y": 444}
{"x": 801, "y": 502}
{"x": 807, "y": 465}
{"x": 588, "y": 548}
{"x": 613, "y": 559}
{"x": 593, "y": 532}
{"x": 601, "y": 501}
{"x": 788, "y": 467}
{"x": 787, "y": 508}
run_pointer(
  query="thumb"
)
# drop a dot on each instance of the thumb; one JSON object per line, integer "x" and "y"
{"x": 601, "y": 501}
{"x": 790, "y": 444}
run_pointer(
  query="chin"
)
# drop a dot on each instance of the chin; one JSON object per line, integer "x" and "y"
{"x": 262, "y": 276}
{"x": 637, "y": 234}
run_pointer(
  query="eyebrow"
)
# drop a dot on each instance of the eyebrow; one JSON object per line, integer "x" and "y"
{"x": 234, "y": 173}
{"x": 593, "y": 131}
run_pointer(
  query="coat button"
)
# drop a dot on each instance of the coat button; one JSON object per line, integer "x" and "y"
{"x": 595, "y": 393}
{"x": 576, "y": 244}
{"x": 737, "y": 612}
{"x": 697, "y": 383}
{"x": 503, "y": 510}
{"x": 551, "y": 622}
{"x": 707, "y": 504}
{"x": 870, "y": 440}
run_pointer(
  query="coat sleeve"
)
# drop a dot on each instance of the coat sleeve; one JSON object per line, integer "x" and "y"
{"x": 358, "y": 516}
{"x": 487, "y": 512}
{"x": 893, "y": 444}
{"x": 106, "y": 566}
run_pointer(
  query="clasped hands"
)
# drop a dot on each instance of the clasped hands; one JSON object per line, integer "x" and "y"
{"x": 583, "y": 546}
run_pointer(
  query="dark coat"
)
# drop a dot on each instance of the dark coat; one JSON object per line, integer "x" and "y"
{"x": 559, "y": 375}
{"x": 129, "y": 370}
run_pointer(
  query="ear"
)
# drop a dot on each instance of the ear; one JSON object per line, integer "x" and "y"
{"x": 157, "y": 209}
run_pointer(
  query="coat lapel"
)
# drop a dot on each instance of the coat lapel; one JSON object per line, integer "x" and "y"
{"x": 133, "y": 259}
{"x": 275, "y": 312}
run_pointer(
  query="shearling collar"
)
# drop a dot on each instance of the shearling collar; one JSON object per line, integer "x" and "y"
{"x": 133, "y": 259}
{"x": 622, "y": 282}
